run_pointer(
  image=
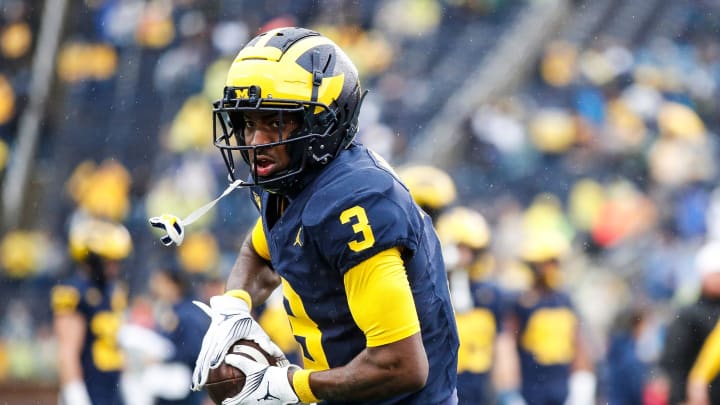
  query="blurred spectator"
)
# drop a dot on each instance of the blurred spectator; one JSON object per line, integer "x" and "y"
{"x": 88, "y": 309}
{"x": 627, "y": 375}
{"x": 624, "y": 213}
{"x": 24, "y": 254}
{"x": 692, "y": 324}
{"x": 405, "y": 17}
{"x": 85, "y": 61}
{"x": 15, "y": 40}
{"x": 552, "y": 131}
{"x": 704, "y": 370}
{"x": 7, "y": 102}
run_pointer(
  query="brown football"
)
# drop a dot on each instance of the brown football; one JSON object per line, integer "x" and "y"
{"x": 227, "y": 381}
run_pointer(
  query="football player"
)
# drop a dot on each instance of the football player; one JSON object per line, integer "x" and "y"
{"x": 360, "y": 265}
{"x": 555, "y": 365}
{"x": 465, "y": 236}
{"x": 87, "y": 313}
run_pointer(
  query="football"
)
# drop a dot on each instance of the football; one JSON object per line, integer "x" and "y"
{"x": 227, "y": 381}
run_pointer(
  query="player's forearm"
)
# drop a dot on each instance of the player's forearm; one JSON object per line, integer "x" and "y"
{"x": 252, "y": 274}
{"x": 70, "y": 332}
{"x": 366, "y": 383}
{"x": 372, "y": 376}
{"x": 69, "y": 370}
{"x": 69, "y": 367}
{"x": 506, "y": 368}
{"x": 584, "y": 360}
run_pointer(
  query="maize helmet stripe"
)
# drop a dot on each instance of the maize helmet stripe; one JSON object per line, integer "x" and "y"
{"x": 258, "y": 66}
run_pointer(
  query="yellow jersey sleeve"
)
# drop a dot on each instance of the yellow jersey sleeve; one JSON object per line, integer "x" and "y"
{"x": 370, "y": 286}
{"x": 707, "y": 363}
{"x": 64, "y": 299}
{"x": 259, "y": 241}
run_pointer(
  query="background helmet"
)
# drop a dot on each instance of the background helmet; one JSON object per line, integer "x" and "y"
{"x": 542, "y": 252}
{"x": 110, "y": 241}
{"x": 289, "y": 71}
{"x": 463, "y": 226}
{"x": 539, "y": 247}
{"x": 431, "y": 188}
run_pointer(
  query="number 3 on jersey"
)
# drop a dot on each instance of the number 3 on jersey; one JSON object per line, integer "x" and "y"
{"x": 361, "y": 226}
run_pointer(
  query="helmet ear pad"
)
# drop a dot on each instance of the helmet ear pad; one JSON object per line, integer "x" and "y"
{"x": 338, "y": 126}
{"x": 320, "y": 149}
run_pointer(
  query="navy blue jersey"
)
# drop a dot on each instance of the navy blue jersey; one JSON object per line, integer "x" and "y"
{"x": 183, "y": 324}
{"x": 546, "y": 343}
{"x": 478, "y": 328}
{"x": 101, "y": 358}
{"x": 180, "y": 324}
{"x": 272, "y": 318}
{"x": 354, "y": 209}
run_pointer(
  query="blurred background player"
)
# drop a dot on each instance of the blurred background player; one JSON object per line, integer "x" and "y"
{"x": 160, "y": 340}
{"x": 87, "y": 313}
{"x": 178, "y": 320}
{"x": 693, "y": 323}
{"x": 465, "y": 236}
{"x": 555, "y": 366}
{"x": 628, "y": 375}
{"x": 431, "y": 187}
{"x": 704, "y": 371}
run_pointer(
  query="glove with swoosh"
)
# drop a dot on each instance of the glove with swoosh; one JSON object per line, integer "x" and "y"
{"x": 230, "y": 322}
{"x": 263, "y": 384}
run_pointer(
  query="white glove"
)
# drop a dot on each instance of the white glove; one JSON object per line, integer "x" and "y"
{"x": 582, "y": 388}
{"x": 230, "y": 322}
{"x": 169, "y": 381}
{"x": 74, "y": 393}
{"x": 142, "y": 346}
{"x": 263, "y": 384}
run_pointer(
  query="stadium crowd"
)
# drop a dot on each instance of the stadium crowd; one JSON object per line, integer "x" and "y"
{"x": 610, "y": 144}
